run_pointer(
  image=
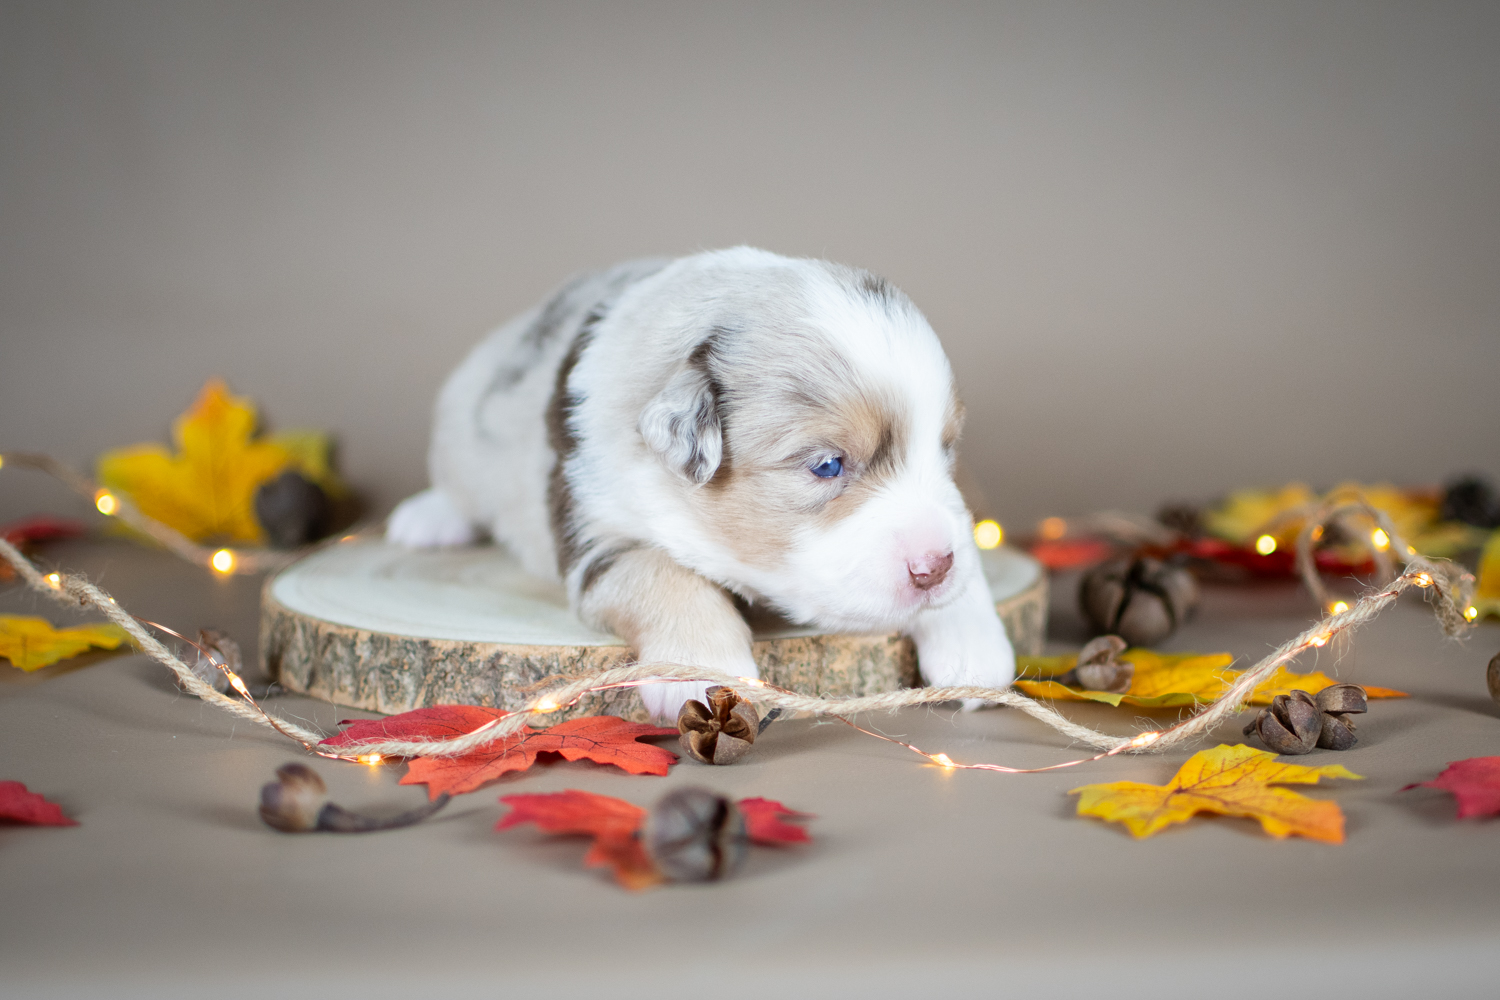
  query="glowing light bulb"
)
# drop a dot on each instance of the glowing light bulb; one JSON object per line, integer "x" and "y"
{"x": 54, "y": 581}
{"x": 1471, "y": 612}
{"x": 1265, "y": 545}
{"x": 223, "y": 561}
{"x": 1317, "y": 532}
{"x": 987, "y": 534}
{"x": 1320, "y": 640}
{"x": 944, "y": 760}
{"x": 1144, "y": 739}
{"x": 1411, "y": 550}
{"x": 370, "y": 758}
{"x": 547, "y": 705}
{"x": 238, "y": 685}
{"x": 1338, "y": 607}
{"x": 1052, "y": 528}
{"x": 1380, "y": 539}
{"x": 106, "y": 502}
{"x": 1423, "y": 580}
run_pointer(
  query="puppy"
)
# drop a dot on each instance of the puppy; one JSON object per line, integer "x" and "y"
{"x": 667, "y": 435}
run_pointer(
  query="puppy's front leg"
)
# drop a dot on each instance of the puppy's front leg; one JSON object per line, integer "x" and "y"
{"x": 668, "y": 614}
{"x": 963, "y": 642}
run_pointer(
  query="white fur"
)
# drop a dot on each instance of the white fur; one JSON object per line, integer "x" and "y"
{"x": 644, "y": 468}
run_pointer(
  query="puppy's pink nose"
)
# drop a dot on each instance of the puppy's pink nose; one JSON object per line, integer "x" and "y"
{"x": 928, "y": 571}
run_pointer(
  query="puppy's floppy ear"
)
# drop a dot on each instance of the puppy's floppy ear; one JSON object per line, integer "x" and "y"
{"x": 681, "y": 424}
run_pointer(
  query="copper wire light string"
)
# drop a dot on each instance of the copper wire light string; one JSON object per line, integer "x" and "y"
{"x": 1450, "y": 607}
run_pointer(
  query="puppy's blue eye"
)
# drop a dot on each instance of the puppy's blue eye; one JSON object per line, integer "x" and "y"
{"x": 829, "y": 469}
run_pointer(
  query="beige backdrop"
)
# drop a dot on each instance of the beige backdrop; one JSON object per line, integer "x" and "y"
{"x": 1172, "y": 248}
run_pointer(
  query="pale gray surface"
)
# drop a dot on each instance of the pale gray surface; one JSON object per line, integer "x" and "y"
{"x": 921, "y": 882}
{"x": 482, "y": 594}
{"x": 1216, "y": 244}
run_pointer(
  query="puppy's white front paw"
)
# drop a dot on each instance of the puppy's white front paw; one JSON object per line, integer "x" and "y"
{"x": 964, "y": 644}
{"x": 429, "y": 520}
{"x": 665, "y": 700}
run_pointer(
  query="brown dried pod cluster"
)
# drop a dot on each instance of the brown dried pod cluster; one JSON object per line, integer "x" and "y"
{"x": 206, "y": 668}
{"x": 1099, "y": 669}
{"x": 720, "y": 732}
{"x": 1142, "y": 600}
{"x": 297, "y": 802}
{"x": 1296, "y": 723}
{"x": 695, "y": 835}
{"x": 1492, "y": 677}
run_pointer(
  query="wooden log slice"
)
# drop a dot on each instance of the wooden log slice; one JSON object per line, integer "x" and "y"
{"x": 379, "y": 627}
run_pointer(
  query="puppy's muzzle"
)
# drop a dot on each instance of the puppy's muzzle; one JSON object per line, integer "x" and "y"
{"x": 929, "y": 570}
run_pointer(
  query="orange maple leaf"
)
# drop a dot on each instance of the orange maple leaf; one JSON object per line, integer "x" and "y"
{"x": 1231, "y": 781}
{"x": 611, "y": 822}
{"x": 603, "y": 739}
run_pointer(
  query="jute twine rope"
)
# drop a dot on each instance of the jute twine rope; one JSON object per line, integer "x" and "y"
{"x": 1448, "y": 589}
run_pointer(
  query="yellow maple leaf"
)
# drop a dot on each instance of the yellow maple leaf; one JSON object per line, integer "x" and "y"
{"x": 1487, "y": 589}
{"x": 1246, "y": 514}
{"x": 32, "y": 643}
{"x": 1231, "y": 781}
{"x": 207, "y": 489}
{"x": 1168, "y": 680}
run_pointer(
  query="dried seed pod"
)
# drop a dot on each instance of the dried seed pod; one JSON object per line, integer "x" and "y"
{"x": 292, "y": 509}
{"x": 297, "y": 802}
{"x": 206, "y": 669}
{"x": 720, "y": 732}
{"x": 1343, "y": 699}
{"x": 694, "y": 835}
{"x": 1492, "y": 677}
{"x": 1337, "y": 732}
{"x": 1291, "y": 725}
{"x": 1141, "y": 600}
{"x": 1098, "y": 669}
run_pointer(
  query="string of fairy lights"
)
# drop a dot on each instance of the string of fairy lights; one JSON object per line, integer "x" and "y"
{"x": 1448, "y": 583}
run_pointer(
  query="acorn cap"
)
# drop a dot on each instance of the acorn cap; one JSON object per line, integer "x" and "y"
{"x": 295, "y": 800}
{"x": 695, "y": 835}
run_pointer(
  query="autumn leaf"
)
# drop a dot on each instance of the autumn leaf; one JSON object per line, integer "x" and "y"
{"x": 765, "y": 822}
{"x": 1475, "y": 783}
{"x": 1231, "y": 781}
{"x": 20, "y": 806}
{"x": 1487, "y": 590}
{"x": 615, "y": 826}
{"x": 611, "y": 822}
{"x": 603, "y": 739}
{"x": 207, "y": 488}
{"x": 1168, "y": 680}
{"x": 32, "y": 643}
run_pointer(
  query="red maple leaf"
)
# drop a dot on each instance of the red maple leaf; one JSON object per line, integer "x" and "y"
{"x": 41, "y": 528}
{"x": 611, "y": 822}
{"x": 615, "y": 826}
{"x": 603, "y": 739}
{"x": 1475, "y": 783}
{"x": 20, "y": 806}
{"x": 765, "y": 822}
